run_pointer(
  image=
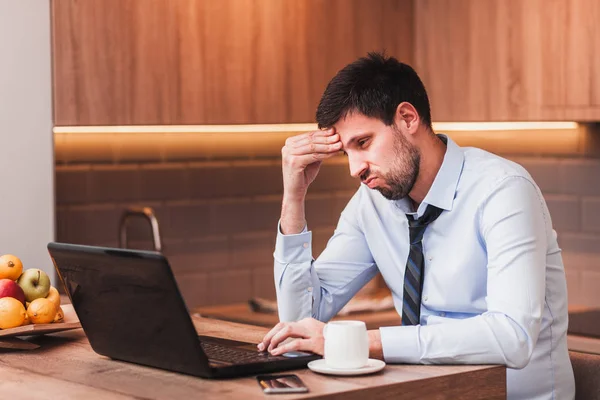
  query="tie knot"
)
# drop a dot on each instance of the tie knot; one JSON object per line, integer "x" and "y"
{"x": 417, "y": 226}
{"x": 431, "y": 213}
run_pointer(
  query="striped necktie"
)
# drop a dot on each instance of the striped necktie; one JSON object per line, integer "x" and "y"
{"x": 415, "y": 266}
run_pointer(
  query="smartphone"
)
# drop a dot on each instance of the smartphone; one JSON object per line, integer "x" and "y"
{"x": 290, "y": 383}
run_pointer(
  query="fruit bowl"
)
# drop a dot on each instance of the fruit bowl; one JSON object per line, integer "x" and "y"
{"x": 29, "y": 305}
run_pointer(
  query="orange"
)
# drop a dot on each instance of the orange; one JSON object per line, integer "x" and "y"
{"x": 12, "y": 313}
{"x": 54, "y": 297}
{"x": 41, "y": 311}
{"x": 60, "y": 315}
{"x": 10, "y": 267}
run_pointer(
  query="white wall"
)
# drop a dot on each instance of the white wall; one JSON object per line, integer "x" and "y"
{"x": 26, "y": 144}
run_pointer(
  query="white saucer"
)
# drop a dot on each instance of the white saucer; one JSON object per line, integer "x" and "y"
{"x": 372, "y": 366}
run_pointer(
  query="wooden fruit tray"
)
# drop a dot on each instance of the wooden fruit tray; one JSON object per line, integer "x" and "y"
{"x": 9, "y": 337}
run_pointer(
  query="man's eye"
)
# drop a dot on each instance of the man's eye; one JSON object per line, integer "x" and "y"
{"x": 362, "y": 142}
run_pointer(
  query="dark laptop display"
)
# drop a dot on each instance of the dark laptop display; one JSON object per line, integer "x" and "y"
{"x": 131, "y": 309}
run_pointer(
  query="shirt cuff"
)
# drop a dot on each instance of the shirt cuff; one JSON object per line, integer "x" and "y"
{"x": 400, "y": 344}
{"x": 279, "y": 229}
{"x": 295, "y": 248}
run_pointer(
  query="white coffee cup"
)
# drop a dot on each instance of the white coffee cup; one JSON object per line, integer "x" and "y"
{"x": 346, "y": 344}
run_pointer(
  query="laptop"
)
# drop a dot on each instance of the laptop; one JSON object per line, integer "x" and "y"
{"x": 131, "y": 310}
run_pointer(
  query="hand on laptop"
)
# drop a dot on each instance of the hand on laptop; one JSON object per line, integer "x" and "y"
{"x": 307, "y": 334}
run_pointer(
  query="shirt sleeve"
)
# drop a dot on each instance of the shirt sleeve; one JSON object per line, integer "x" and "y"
{"x": 513, "y": 224}
{"x": 320, "y": 288}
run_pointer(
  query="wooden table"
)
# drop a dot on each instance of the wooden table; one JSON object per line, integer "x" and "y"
{"x": 584, "y": 329}
{"x": 65, "y": 367}
{"x": 240, "y": 312}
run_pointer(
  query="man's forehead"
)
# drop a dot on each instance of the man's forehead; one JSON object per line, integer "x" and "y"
{"x": 355, "y": 125}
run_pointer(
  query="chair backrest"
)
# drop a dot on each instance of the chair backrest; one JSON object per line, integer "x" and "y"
{"x": 586, "y": 368}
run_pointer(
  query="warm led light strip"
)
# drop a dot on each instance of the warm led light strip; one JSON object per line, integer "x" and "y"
{"x": 186, "y": 128}
{"x": 502, "y": 126}
{"x": 264, "y": 128}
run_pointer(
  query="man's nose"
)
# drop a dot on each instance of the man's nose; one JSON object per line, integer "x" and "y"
{"x": 357, "y": 166}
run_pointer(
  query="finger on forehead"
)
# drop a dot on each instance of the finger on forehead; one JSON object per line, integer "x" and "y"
{"x": 324, "y": 132}
{"x": 317, "y": 140}
{"x": 313, "y": 134}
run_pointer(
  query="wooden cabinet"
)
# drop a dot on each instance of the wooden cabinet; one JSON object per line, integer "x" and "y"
{"x": 508, "y": 60}
{"x": 120, "y": 62}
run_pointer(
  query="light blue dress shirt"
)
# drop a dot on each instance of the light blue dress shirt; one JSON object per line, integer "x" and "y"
{"x": 494, "y": 290}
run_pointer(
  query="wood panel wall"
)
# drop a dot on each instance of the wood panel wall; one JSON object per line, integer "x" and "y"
{"x": 119, "y": 62}
{"x": 507, "y": 60}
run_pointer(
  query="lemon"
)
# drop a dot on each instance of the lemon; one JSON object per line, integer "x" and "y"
{"x": 60, "y": 315}
{"x": 12, "y": 313}
{"x": 10, "y": 267}
{"x": 41, "y": 311}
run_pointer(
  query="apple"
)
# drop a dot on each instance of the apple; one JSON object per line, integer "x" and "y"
{"x": 9, "y": 288}
{"x": 35, "y": 283}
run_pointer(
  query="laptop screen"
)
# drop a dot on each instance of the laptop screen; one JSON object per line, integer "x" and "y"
{"x": 130, "y": 306}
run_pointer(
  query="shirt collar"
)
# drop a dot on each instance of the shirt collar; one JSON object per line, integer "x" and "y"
{"x": 442, "y": 191}
{"x": 441, "y": 194}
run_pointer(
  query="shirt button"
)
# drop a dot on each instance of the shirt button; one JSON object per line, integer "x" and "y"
{"x": 430, "y": 258}
{"x": 305, "y": 245}
{"x": 425, "y": 298}
{"x": 309, "y": 289}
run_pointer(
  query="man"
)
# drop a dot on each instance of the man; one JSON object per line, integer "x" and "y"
{"x": 463, "y": 239}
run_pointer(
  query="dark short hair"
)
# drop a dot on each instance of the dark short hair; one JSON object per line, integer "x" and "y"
{"x": 373, "y": 86}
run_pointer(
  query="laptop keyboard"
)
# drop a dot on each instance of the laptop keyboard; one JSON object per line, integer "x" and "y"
{"x": 233, "y": 355}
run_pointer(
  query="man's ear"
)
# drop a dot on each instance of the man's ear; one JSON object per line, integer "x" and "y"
{"x": 407, "y": 118}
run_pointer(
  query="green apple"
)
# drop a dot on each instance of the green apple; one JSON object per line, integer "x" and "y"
{"x": 35, "y": 284}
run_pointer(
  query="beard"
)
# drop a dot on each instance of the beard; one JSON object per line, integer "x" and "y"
{"x": 404, "y": 170}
